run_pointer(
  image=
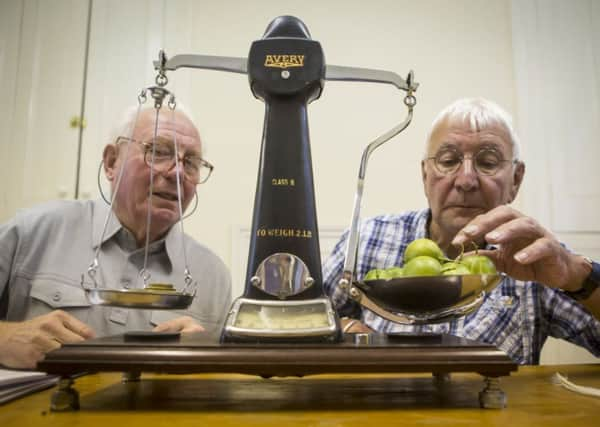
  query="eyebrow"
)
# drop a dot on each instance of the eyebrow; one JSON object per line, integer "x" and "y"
{"x": 160, "y": 140}
{"x": 168, "y": 141}
{"x": 446, "y": 145}
{"x": 485, "y": 146}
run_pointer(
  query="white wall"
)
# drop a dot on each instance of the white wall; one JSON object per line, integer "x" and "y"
{"x": 556, "y": 48}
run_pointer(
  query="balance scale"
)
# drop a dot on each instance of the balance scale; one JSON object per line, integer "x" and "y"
{"x": 284, "y": 324}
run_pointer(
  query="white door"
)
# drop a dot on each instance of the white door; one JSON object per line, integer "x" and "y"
{"x": 125, "y": 38}
{"x": 42, "y": 46}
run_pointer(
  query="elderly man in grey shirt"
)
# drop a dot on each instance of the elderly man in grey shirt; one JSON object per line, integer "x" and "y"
{"x": 45, "y": 250}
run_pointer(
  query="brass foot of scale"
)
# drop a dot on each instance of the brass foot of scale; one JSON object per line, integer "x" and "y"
{"x": 441, "y": 378}
{"x": 492, "y": 396}
{"x": 66, "y": 398}
{"x": 131, "y": 377}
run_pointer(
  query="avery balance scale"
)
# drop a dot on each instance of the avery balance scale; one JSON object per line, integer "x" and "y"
{"x": 284, "y": 324}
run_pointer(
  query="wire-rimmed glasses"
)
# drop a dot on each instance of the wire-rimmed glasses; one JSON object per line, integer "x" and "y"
{"x": 486, "y": 161}
{"x": 162, "y": 158}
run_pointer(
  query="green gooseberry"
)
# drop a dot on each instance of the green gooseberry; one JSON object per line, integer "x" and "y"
{"x": 395, "y": 272}
{"x": 479, "y": 264}
{"x": 375, "y": 274}
{"x": 422, "y": 247}
{"x": 456, "y": 270}
{"x": 422, "y": 266}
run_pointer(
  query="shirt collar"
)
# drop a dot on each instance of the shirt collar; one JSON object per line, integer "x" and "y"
{"x": 173, "y": 245}
{"x": 99, "y": 213}
{"x": 423, "y": 219}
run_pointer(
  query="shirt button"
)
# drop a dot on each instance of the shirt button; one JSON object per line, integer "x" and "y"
{"x": 57, "y": 296}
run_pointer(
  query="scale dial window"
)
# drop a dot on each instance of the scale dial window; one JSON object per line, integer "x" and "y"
{"x": 282, "y": 317}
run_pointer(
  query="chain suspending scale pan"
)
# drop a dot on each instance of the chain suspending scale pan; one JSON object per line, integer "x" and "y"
{"x": 151, "y": 295}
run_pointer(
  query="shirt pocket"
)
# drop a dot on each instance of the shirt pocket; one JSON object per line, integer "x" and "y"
{"x": 500, "y": 322}
{"x": 47, "y": 295}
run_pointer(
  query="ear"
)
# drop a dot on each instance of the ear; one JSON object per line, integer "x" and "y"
{"x": 424, "y": 176}
{"x": 518, "y": 175}
{"x": 110, "y": 156}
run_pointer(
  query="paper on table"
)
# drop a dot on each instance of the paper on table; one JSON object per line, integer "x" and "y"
{"x": 563, "y": 381}
{"x": 14, "y": 384}
{"x": 9, "y": 376}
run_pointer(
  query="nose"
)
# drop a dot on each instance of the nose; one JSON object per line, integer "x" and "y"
{"x": 171, "y": 171}
{"x": 466, "y": 178}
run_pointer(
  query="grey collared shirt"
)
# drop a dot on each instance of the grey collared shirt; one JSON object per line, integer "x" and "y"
{"x": 44, "y": 251}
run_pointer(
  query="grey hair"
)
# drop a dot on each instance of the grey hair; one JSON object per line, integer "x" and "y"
{"x": 126, "y": 120}
{"x": 479, "y": 113}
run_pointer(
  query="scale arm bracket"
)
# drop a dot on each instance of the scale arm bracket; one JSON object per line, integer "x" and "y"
{"x": 354, "y": 74}
{"x": 208, "y": 62}
{"x": 342, "y": 73}
{"x": 354, "y": 232}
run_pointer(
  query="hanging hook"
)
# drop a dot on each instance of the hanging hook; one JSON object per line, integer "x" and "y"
{"x": 142, "y": 96}
{"x": 161, "y": 78}
{"x": 409, "y": 100}
{"x": 172, "y": 104}
{"x": 158, "y": 93}
{"x": 145, "y": 275}
{"x": 189, "y": 281}
{"x": 91, "y": 271}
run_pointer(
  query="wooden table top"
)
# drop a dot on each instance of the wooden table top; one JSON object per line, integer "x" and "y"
{"x": 324, "y": 400}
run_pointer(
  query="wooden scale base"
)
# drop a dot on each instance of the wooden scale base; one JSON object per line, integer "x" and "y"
{"x": 199, "y": 353}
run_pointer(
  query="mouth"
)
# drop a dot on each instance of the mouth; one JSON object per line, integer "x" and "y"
{"x": 172, "y": 197}
{"x": 465, "y": 207}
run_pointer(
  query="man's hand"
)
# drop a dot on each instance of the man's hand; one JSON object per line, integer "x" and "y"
{"x": 23, "y": 344}
{"x": 526, "y": 250}
{"x": 184, "y": 324}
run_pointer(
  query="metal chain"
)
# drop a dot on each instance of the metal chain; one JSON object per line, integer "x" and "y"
{"x": 144, "y": 271}
{"x": 188, "y": 279}
{"x": 95, "y": 264}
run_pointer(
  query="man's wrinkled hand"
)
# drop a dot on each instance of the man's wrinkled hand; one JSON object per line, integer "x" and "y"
{"x": 525, "y": 249}
{"x": 183, "y": 324}
{"x": 23, "y": 344}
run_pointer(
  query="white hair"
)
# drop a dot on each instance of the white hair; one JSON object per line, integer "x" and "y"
{"x": 479, "y": 113}
{"x": 124, "y": 124}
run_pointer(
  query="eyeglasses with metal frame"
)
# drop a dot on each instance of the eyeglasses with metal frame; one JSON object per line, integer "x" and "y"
{"x": 487, "y": 161}
{"x": 195, "y": 169}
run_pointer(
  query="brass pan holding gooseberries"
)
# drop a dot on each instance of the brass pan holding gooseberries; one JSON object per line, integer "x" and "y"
{"x": 426, "y": 293}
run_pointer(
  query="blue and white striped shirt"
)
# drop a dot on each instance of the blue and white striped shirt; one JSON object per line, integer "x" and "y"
{"x": 516, "y": 316}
